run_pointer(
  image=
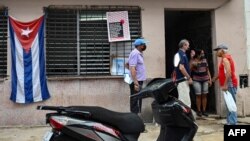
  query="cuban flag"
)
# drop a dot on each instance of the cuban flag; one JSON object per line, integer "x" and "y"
{"x": 28, "y": 76}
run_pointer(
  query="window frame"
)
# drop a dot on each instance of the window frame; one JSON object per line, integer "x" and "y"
{"x": 134, "y": 34}
{"x": 3, "y": 41}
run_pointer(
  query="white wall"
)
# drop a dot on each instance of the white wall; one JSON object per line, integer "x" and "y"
{"x": 247, "y": 26}
{"x": 230, "y": 29}
{"x": 247, "y": 17}
{"x": 152, "y": 20}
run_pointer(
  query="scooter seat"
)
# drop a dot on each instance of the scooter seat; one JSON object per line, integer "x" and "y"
{"x": 128, "y": 123}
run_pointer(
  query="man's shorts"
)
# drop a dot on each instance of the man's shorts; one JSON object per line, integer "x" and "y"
{"x": 200, "y": 87}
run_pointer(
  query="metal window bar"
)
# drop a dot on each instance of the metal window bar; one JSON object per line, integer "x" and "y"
{"x": 3, "y": 41}
{"x": 89, "y": 43}
{"x": 94, "y": 45}
{"x": 61, "y": 42}
{"x": 123, "y": 49}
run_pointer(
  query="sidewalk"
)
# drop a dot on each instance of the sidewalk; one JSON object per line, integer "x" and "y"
{"x": 210, "y": 129}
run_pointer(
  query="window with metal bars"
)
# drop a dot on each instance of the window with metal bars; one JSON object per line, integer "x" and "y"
{"x": 77, "y": 40}
{"x": 3, "y": 41}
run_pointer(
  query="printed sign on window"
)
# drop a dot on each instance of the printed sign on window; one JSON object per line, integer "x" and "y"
{"x": 118, "y": 66}
{"x": 118, "y": 26}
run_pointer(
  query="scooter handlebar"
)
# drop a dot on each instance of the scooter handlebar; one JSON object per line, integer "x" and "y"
{"x": 144, "y": 93}
{"x": 180, "y": 80}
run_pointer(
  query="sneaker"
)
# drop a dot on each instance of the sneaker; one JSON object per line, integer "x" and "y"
{"x": 199, "y": 113}
{"x": 204, "y": 114}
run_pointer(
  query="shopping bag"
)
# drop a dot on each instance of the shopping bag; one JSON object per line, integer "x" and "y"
{"x": 231, "y": 105}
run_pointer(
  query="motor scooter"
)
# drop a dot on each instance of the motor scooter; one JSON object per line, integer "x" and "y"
{"x": 90, "y": 123}
{"x": 176, "y": 119}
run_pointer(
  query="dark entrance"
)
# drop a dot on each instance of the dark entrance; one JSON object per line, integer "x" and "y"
{"x": 194, "y": 26}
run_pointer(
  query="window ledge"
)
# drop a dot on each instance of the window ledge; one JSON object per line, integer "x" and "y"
{"x": 83, "y": 77}
{"x": 2, "y": 79}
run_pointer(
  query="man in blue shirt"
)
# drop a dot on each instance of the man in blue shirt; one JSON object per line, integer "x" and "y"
{"x": 183, "y": 70}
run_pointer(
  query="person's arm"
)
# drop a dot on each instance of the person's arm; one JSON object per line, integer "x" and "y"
{"x": 184, "y": 72}
{"x": 126, "y": 65}
{"x": 133, "y": 75}
{"x": 210, "y": 78}
{"x": 209, "y": 74}
{"x": 227, "y": 73}
{"x": 191, "y": 64}
{"x": 132, "y": 62}
{"x": 215, "y": 78}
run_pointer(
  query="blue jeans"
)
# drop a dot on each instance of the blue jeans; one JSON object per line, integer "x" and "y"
{"x": 232, "y": 116}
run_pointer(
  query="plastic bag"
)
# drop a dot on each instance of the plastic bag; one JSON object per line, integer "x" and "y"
{"x": 127, "y": 78}
{"x": 229, "y": 101}
{"x": 176, "y": 64}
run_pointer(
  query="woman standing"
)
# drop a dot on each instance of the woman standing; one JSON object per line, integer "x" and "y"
{"x": 201, "y": 81}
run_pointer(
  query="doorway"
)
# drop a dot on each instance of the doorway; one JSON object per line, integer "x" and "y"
{"x": 194, "y": 26}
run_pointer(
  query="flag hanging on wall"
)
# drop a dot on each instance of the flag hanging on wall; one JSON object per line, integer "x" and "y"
{"x": 28, "y": 76}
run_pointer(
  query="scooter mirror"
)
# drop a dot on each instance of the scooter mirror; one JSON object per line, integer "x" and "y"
{"x": 176, "y": 60}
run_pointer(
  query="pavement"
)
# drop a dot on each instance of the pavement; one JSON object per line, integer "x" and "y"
{"x": 210, "y": 129}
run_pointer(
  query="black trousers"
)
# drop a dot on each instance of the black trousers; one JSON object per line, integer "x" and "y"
{"x": 135, "y": 104}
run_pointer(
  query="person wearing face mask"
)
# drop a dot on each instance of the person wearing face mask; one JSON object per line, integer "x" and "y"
{"x": 227, "y": 78}
{"x": 137, "y": 72}
{"x": 201, "y": 81}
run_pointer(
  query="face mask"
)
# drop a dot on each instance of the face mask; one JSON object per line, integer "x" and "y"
{"x": 144, "y": 48}
{"x": 202, "y": 56}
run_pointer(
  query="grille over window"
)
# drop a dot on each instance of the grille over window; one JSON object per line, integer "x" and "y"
{"x": 77, "y": 40}
{"x": 3, "y": 41}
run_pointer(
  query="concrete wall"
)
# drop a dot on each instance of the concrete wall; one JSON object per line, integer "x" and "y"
{"x": 247, "y": 17}
{"x": 113, "y": 93}
{"x": 229, "y": 27}
{"x": 109, "y": 93}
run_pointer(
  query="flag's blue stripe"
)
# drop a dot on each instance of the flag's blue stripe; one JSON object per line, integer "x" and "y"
{"x": 28, "y": 87}
{"x": 13, "y": 69}
{"x": 43, "y": 82}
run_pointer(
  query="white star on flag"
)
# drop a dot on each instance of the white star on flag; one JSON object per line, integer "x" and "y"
{"x": 26, "y": 32}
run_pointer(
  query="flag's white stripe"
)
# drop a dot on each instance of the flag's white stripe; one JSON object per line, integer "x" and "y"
{"x": 37, "y": 95}
{"x": 20, "y": 95}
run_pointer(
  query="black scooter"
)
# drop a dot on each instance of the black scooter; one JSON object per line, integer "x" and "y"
{"x": 87, "y": 123}
{"x": 175, "y": 118}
